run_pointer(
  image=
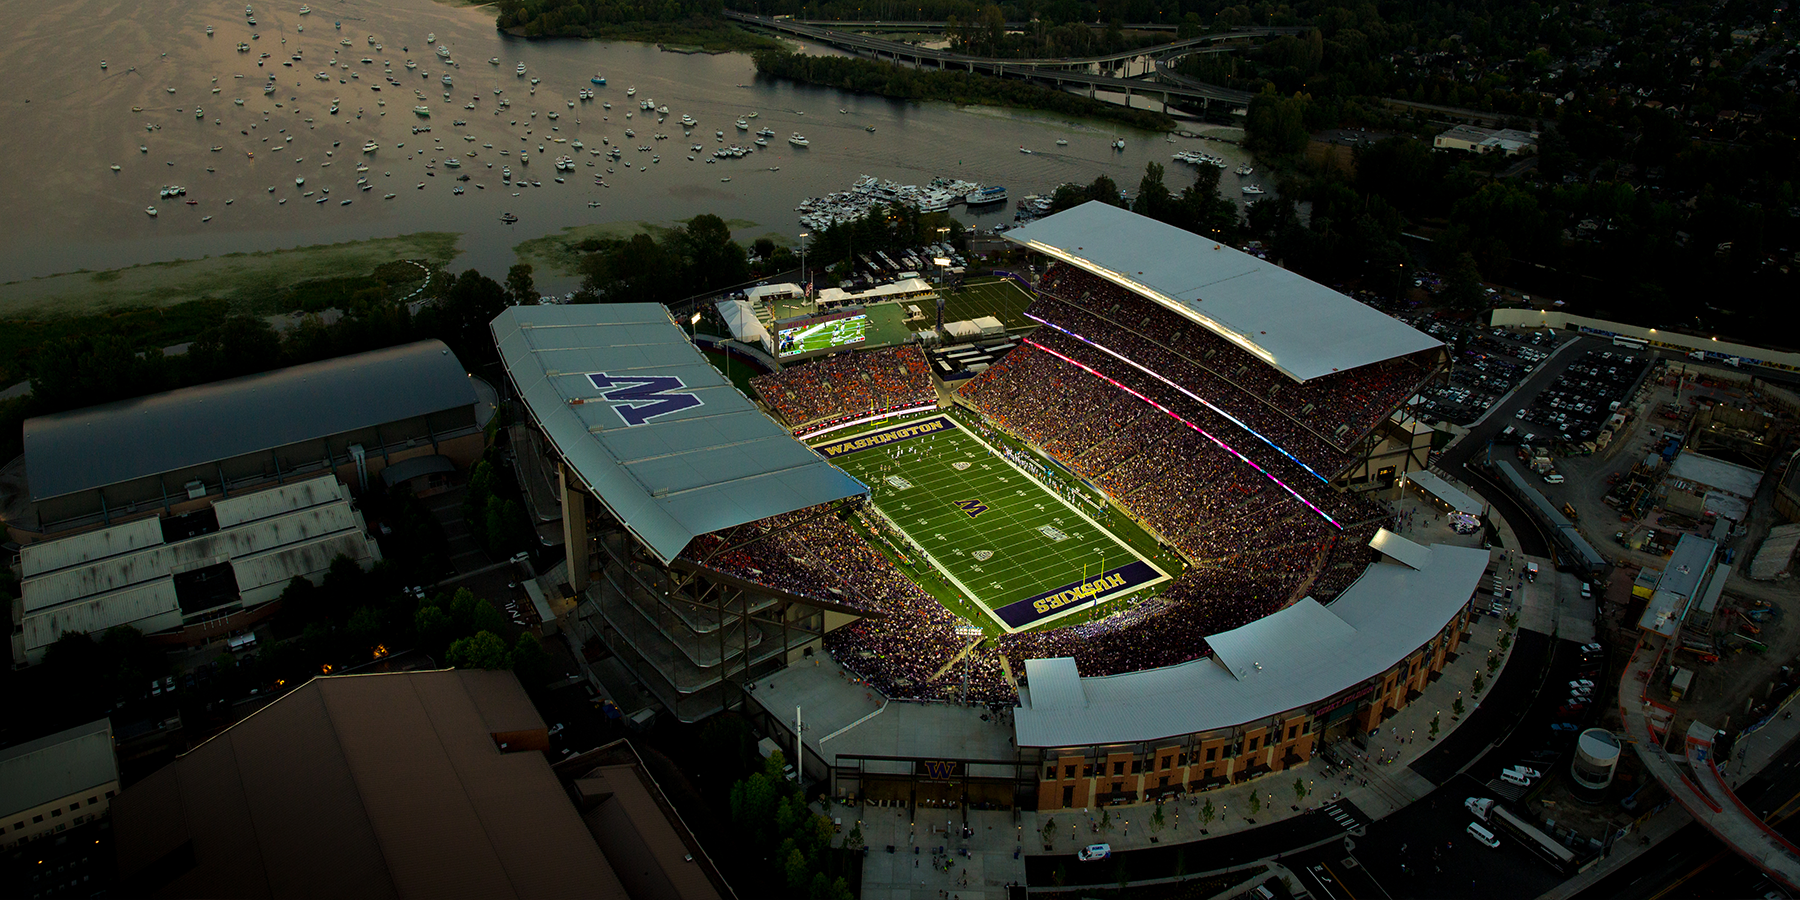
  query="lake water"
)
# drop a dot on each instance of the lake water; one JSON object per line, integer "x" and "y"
{"x": 69, "y": 120}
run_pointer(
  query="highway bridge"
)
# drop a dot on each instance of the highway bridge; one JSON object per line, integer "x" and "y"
{"x": 1059, "y": 73}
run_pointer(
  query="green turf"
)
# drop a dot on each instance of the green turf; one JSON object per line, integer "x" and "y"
{"x": 1001, "y": 298}
{"x": 925, "y": 505}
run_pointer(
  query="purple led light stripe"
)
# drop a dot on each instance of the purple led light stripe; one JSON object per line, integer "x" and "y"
{"x": 1197, "y": 429}
{"x": 1190, "y": 394}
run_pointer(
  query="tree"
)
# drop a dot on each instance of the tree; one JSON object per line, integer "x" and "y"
{"x": 365, "y": 625}
{"x": 1207, "y": 813}
{"x": 1255, "y": 803}
{"x": 1434, "y": 726}
{"x": 519, "y": 284}
{"x": 1157, "y": 821}
{"x": 482, "y": 650}
{"x": 239, "y": 345}
{"x": 1153, "y": 197}
{"x": 1479, "y": 683}
{"x": 467, "y": 304}
{"x": 1463, "y": 290}
{"x": 533, "y": 664}
{"x": 798, "y": 870}
{"x": 712, "y": 258}
{"x": 1276, "y": 125}
{"x": 1300, "y": 790}
{"x": 1456, "y": 707}
{"x": 1049, "y": 829}
{"x": 434, "y": 628}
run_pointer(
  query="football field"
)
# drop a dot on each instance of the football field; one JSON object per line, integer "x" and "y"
{"x": 1016, "y": 550}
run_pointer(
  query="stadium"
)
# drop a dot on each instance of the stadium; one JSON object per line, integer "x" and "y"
{"x": 1147, "y": 538}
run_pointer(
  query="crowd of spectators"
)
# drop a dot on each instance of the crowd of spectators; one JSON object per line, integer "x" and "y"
{"x": 1251, "y": 521}
{"x": 908, "y": 649}
{"x": 1319, "y": 421}
{"x": 840, "y": 386}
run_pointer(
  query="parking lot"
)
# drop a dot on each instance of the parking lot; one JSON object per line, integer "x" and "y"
{"x": 1573, "y": 409}
{"x": 1488, "y": 363}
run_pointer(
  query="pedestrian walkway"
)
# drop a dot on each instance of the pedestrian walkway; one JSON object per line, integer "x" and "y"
{"x": 1702, "y": 789}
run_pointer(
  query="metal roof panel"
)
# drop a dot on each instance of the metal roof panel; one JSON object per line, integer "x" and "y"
{"x": 1301, "y": 327}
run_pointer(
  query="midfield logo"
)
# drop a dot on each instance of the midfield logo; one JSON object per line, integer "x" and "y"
{"x": 639, "y": 398}
{"x": 972, "y": 507}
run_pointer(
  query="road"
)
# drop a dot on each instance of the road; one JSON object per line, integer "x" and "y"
{"x": 1474, "y": 446}
{"x": 1424, "y": 850}
{"x": 1692, "y": 863}
{"x": 1044, "y": 70}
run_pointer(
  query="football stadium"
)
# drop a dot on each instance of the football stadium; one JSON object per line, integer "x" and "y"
{"x": 1151, "y": 531}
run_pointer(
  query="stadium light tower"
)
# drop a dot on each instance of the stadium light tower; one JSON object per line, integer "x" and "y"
{"x": 803, "y": 283}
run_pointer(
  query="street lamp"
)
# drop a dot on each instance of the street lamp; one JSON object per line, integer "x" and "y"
{"x": 803, "y": 236}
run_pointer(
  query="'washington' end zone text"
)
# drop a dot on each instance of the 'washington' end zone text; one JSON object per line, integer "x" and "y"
{"x": 885, "y": 436}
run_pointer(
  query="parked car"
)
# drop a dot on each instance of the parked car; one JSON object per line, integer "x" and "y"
{"x": 1093, "y": 852}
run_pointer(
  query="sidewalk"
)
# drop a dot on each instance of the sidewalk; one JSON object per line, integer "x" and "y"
{"x": 1377, "y": 782}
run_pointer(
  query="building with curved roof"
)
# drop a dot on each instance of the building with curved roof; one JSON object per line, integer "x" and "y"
{"x": 353, "y": 415}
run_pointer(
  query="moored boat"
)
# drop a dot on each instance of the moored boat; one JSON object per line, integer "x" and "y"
{"x": 994, "y": 194}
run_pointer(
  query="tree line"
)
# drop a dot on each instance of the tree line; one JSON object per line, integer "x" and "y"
{"x": 1601, "y": 240}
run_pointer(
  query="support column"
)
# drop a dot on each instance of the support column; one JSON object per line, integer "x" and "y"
{"x": 575, "y": 534}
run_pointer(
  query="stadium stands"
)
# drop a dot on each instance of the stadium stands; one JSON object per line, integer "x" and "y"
{"x": 1319, "y": 421}
{"x": 847, "y": 385}
{"x": 1226, "y": 459}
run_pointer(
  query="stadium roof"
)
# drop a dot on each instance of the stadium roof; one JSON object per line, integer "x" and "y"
{"x": 1401, "y": 550}
{"x": 652, "y": 429}
{"x": 1300, "y": 327}
{"x": 389, "y": 785}
{"x": 1284, "y": 661}
{"x": 114, "y": 442}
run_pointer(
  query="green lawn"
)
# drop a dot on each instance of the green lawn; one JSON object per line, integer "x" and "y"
{"x": 988, "y": 528}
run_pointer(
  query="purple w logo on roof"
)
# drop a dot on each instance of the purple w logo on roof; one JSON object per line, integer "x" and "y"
{"x": 639, "y": 398}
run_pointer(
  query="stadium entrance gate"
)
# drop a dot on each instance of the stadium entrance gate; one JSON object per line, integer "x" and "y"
{"x": 952, "y": 785}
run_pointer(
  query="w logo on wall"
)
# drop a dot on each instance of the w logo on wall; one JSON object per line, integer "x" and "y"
{"x": 972, "y": 507}
{"x": 639, "y": 398}
{"x": 939, "y": 768}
